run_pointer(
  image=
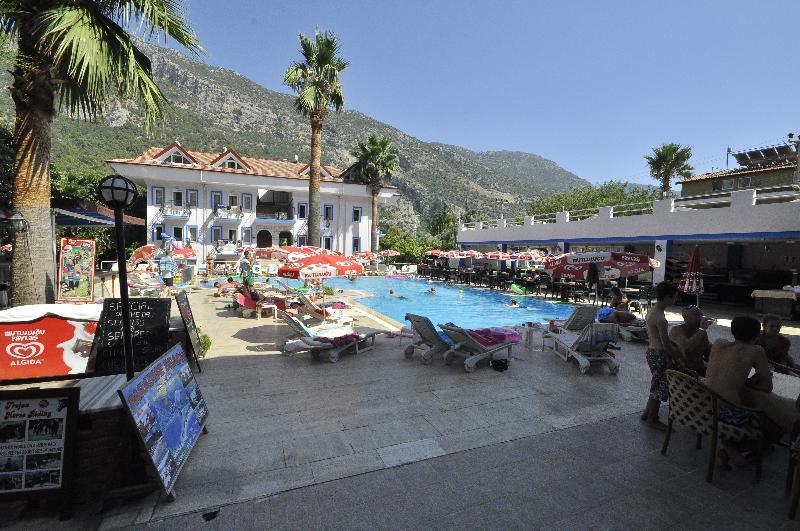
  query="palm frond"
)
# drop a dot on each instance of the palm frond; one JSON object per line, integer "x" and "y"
{"x": 148, "y": 19}
{"x": 94, "y": 56}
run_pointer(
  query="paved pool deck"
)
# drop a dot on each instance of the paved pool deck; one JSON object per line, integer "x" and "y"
{"x": 377, "y": 441}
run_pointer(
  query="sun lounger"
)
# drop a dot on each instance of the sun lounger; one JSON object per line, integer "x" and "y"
{"x": 580, "y": 318}
{"x": 323, "y": 338}
{"x": 318, "y": 312}
{"x": 588, "y": 346}
{"x": 428, "y": 336}
{"x": 475, "y": 348}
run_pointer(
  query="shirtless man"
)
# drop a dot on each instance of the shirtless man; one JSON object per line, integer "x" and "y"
{"x": 662, "y": 352}
{"x": 728, "y": 374}
{"x": 692, "y": 338}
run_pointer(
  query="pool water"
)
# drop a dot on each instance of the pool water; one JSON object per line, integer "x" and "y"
{"x": 464, "y": 306}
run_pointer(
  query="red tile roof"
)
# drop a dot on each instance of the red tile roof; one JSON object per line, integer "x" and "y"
{"x": 737, "y": 172}
{"x": 256, "y": 166}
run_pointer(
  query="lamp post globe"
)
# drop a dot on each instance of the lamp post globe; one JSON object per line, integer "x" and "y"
{"x": 18, "y": 223}
{"x": 117, "y": 192}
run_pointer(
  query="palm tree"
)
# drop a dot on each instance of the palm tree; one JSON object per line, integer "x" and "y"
{"x": 376, "y": 159}
{"x": 316, "y": 82}
{"x": 668, "y": 161}
{"x": 75, "y": 54}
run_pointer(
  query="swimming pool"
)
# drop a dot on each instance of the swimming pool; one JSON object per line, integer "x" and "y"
{"x": 464, "y": 306}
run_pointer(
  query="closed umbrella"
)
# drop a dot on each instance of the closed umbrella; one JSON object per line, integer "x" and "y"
{"x": 692, "y": 279}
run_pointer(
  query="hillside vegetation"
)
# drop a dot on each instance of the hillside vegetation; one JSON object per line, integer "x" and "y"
{"x": 215, "y": 107}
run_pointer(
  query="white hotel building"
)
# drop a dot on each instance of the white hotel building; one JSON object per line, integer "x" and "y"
{"x": 212, "y": 198}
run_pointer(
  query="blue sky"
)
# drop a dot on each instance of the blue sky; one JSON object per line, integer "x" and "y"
{"x": 590, "y": 84}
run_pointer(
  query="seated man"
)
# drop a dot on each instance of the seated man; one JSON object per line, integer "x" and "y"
{"x": 729, "y": 366}
{"x": 774, "y": 343}
{"x": 691, "y": 336}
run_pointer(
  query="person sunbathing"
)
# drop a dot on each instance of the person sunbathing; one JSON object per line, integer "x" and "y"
{"x": 619, "y": 301}
{"x": 230, "y": 285}
{"x": 620, "y": 317}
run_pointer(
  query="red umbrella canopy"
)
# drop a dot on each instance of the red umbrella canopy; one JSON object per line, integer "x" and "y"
{"x": 389, "y": 252}
{"x": 472, "y": 253}
{"x": 320, "y": 266}
{"x": 184, "y": 253}
{"x": 143, "y": 253}
{"x": 289, "y": 252}
{"x": 453, "y": 254}
{"x": 692, "y": 279}
{"x": 614, "y": 265}
{"x": 527, "y": 255}
{"x": 498, "y": 255}
{"x": 435, "y": 252}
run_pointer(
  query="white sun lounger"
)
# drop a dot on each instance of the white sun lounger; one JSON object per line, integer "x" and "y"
{"x": 365, "y": 341}
{"x": 428, "y": 336}
{"x": 466, "y": 345}
{"x": 587, "y": 347}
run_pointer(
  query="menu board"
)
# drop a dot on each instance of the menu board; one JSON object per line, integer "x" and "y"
{"x": 76, "y": 270}
{"x": 192, "y": 333}
{"x": 47, "y": 347}
{"x": 149, "y": 328}
{"x": 165, "y": 404}
{"x": 37, "y": 434}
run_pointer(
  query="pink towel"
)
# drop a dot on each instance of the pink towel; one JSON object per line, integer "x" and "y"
{"x": 340, "y": 341}
{"x": 489, "y": 337}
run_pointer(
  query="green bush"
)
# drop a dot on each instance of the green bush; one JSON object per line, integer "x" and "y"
{"x": 328, "y": 291}
{"x": 205, "y": 342}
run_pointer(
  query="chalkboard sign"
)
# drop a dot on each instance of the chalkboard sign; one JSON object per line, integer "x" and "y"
{"x": 192, "y": 334}
{"x": 168, "y": 411}
{"x": 37, "y": 443}
{"x": 149, "y": 329}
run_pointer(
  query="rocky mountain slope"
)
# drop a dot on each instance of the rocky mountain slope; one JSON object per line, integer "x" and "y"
{"x": 215, "y": 107}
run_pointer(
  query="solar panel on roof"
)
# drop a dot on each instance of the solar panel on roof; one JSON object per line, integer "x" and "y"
{"x": 770, "y": 154}
{"x": 785, "y": 151}
{"x": 742, "y": 159}
{"x": 755, "y": 156}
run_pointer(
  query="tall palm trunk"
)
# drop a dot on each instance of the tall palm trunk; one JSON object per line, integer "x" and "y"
{"x": 34, "y": 93}
{"x": 374, "y": 220}
{"x": 313, "y": 183}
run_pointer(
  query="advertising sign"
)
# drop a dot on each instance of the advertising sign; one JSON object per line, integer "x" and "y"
{"x": 37, "y": 431}
{"x": 149, "y": 329}
{"x": 165, "y": 404}
{"x": 46, "y": 347}
{"x": 192, "y": 333}
{"x": 76, "y": 270}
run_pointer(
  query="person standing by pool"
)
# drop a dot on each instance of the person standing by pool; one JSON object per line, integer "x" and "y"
{"x": 167, "y": 267}
{"x": 662, "y": 352}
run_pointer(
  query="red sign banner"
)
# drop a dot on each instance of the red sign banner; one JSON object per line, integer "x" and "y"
{"x": 46, "y": 347}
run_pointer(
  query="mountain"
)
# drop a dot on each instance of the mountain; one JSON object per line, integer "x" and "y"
{"x": 216, "y": 107}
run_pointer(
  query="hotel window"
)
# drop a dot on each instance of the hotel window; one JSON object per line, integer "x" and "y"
{"x": 232, "y": 164}
{"x": 192, "y": 234}
{"x": 247, "y": 201}
{"x": 177, "y": 233}
{"x": 158, "y": 230}
{"x": 158, "y": 195}
{"x": 177, "y": 198}
{"x": 176, "y": 158}
{"x": 723, "y": 185}
{"x": 233, "y": 201}
{"x": 231, "y": 235}
{"x": 356, "y": 244}
{"x": 302, "y": 210}
{"x": 327, "y": 243}
{"x": 356, "y": 214}
{"x": 302, "y": 240}
{"x": 247, "y": 235}
{"x": 216, "y": 199}
{"x": 191, "y": 198}
{"x": 327, "y": 212}
{"x": 216, "y": 234}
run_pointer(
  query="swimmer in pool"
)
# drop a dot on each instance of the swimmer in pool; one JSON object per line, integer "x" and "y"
{"x": 432, "y": 291}
{"x": 396, "y": 296}
{"x": 512, "y": 303}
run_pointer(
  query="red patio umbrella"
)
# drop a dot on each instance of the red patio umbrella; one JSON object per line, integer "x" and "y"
{"x": 612, "y": 265}
{"x": 319, "y": 267}
{"x": 434, "y": 252}
{"x": 692, "y": 279}
{"x": 498, "y": 255}
{"x": 528, "y": 255}
{"x": 389, "y": 252}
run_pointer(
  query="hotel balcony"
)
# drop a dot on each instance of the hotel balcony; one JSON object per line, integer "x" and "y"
{"x": 222, "y": 213}
{"x": 170, "y": 210}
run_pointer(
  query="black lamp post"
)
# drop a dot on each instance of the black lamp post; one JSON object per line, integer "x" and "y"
{"x": 119, "y": 193}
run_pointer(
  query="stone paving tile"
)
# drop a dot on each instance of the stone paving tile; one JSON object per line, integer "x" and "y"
{"x": 410, "y": 451}
{"x": 521, "y": 428}
{"x": 466, "y": 440}
{"x": 346, "y": 465}
{"x": 315, "y": 448}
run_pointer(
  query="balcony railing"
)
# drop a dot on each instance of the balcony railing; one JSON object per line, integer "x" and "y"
{"x": 274, "y": 213}
{"x": 228, "y": 212}
{"x": 171, "y": 209}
